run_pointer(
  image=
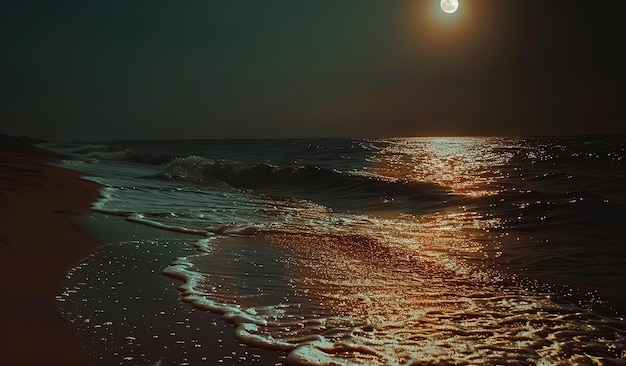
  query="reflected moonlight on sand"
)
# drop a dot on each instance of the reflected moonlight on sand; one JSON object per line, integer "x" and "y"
{"x": 449, "y": 6}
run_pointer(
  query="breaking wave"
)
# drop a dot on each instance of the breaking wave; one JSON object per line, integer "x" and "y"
{"x": 333, "y": 188}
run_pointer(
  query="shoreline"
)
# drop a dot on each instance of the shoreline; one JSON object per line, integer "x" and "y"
{"x": 47, "y": 228}
{"x": 146, "y": 305}
{"x": 39, "y": 244}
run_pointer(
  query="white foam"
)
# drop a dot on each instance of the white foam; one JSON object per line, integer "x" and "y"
{"x": 138, "y": 218}
{"x": 422, "y": 316}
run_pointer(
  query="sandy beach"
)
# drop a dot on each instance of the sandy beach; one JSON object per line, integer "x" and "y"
{"x": 38, "y": 245}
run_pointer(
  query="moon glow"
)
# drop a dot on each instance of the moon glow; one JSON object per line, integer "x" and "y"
{"x": 449, "y": 6}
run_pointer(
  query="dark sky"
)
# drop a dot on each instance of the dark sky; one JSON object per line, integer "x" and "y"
{"x": 309, "y": 68}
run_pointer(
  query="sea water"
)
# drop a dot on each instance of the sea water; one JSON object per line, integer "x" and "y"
{"x": 360, "y": 251}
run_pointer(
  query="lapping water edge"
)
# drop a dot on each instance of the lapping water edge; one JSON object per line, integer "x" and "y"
{"x": 477, "y": 260}
{"x": 423, "y": 321}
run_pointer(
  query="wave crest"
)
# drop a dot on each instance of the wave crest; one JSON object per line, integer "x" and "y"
{"x": 333, "y": 188}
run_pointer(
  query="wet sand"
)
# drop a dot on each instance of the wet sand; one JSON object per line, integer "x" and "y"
{"x": 38, "y": 245}
{"x": 133, "y": 314}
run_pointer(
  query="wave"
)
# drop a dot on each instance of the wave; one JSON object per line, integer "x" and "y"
{"x": 333, "y": 287}
{"x": 374, "y": 318}
{"x": 339, "y": 190}
{"x": 108, "y": 152}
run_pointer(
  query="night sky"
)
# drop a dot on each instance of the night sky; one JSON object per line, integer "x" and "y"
{"x": 310, "y": 68}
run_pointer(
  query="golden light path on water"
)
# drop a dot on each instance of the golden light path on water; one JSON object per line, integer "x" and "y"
{"x": 410, "y": 281}
{"x": 365, "y": 287}
{"x": 404, "y": 289}
{"x": 462, "y": 164}
{"x": 395, "y": 292}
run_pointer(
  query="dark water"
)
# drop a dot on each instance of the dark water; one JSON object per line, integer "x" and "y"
{"x": 394, "y": 251}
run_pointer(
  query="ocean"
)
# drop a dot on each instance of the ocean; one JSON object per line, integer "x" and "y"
{"x": 400, "y": 251}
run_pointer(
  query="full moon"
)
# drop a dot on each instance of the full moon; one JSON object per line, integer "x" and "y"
{"x": 449, "y": 6}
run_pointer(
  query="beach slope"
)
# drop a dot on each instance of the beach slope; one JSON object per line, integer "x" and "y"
{"x": 38, "y": 246}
